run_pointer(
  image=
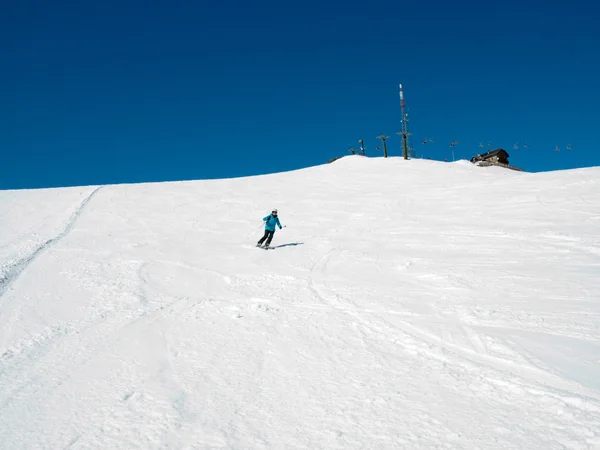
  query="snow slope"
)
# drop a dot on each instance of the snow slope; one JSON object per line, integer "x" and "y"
{"x": 407, "y": 304}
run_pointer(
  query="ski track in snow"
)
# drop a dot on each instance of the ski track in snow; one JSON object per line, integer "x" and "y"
{"x": 425, "y": 329}
{"x": 475, "y": 354}
{"x": 13, "y": 271}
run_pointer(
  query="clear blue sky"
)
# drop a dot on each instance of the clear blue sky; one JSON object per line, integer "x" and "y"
{"x": 130, "y": 91}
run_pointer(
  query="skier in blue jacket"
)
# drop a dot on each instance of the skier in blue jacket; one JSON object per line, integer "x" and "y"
{"x": 271, "y": 221}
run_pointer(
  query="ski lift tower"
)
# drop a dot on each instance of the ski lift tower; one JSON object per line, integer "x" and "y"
{"x": 404, "y": 133}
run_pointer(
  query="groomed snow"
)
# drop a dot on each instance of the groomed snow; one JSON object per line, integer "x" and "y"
{"x": 407, "y": 304}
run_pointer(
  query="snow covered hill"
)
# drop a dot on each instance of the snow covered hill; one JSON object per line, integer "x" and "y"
{"x": 407, "y": 304}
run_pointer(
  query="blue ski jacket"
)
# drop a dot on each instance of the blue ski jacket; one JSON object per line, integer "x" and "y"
{"x": 271, "y": 222}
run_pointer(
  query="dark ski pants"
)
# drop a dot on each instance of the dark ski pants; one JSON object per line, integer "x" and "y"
{"x": 268, "y": 236}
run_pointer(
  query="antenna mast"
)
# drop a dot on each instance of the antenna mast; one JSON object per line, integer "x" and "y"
{"x": 404, "y": 133}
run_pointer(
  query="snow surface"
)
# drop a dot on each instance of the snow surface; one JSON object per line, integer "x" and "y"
{"x": 407, "y": 304}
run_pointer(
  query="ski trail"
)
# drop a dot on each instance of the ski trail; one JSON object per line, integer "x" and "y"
{"x": 16, "y": 269}
{"x": 478, "y": 355}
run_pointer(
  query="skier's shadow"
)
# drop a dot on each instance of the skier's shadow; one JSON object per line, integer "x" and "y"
{"x": 291, "y": 244}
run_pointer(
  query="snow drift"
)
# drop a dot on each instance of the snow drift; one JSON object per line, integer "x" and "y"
{"x": 407, "y": 304}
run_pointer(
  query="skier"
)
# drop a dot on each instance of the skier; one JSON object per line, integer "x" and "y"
{"x": 271, "y": 220}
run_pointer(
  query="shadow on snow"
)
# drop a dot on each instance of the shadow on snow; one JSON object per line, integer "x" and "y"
{"x": 291, "y": 244}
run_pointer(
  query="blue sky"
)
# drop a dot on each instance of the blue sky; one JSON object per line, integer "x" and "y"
{"x": 132, "y": 91}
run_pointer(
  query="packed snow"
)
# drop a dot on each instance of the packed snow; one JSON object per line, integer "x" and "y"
{"x": 406, "y": 304}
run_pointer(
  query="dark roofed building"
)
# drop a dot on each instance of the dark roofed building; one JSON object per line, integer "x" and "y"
{"x": 495, "y": 156}
{"x": 498, "y": 157}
